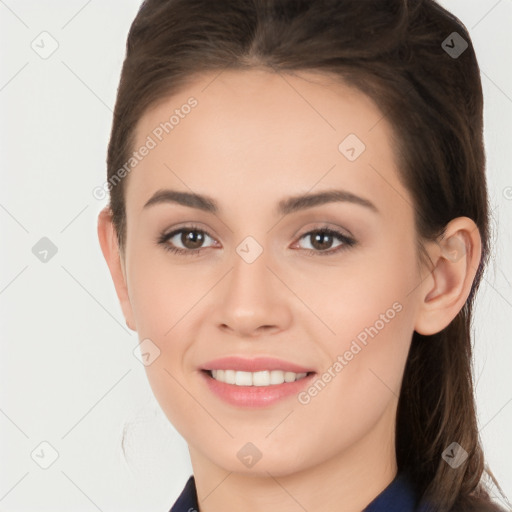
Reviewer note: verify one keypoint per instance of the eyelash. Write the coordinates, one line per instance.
(164, 237)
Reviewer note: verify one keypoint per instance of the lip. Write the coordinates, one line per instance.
(254, 396)
(256, 364)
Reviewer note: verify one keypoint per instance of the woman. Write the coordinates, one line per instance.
(334, 375)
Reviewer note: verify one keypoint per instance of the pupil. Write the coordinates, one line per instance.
(190, 238)
(319, 237)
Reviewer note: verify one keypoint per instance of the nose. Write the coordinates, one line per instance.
(252, 300)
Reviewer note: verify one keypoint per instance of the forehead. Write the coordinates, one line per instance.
(249, 133)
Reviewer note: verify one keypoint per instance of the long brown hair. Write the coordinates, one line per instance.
(395, 51)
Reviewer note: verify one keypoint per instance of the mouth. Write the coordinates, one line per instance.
(263, 378)
(254, 382)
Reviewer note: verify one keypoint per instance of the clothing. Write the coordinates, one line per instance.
(398, 496)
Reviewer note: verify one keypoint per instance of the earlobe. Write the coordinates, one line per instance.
(110, 249)
(456, 256)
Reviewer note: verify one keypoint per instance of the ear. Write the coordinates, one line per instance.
(456, 256)
(110, 248)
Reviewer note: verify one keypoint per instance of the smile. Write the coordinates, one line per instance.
(259, 379)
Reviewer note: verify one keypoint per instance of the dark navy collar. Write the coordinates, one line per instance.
(398, 496)
(187, 499)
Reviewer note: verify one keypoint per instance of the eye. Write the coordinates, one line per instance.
(322, 239)
(192, 239)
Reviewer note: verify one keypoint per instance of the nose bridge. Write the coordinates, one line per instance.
(250, 297)
(250, 276)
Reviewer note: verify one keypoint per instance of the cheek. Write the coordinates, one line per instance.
(362, 292)
(161, 292)
(374, 355)
(371, 312)
(362, 380)
(164, 300)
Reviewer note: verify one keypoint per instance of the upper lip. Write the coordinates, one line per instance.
(254, 365)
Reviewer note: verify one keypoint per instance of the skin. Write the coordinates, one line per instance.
(253, 139)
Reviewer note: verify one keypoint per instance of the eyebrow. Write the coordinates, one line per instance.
(284, 207)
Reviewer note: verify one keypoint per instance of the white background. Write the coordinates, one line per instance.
(68, 374)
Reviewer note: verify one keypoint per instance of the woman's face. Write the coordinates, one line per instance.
(266, 282)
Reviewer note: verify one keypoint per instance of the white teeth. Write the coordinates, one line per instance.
(230, 376)
(262, 378)
(243, 379)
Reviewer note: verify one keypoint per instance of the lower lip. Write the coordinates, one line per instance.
(255, 396)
